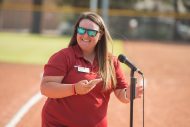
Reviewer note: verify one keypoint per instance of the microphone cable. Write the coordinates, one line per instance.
(143, 99)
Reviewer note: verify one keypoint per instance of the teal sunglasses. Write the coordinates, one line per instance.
(82, 31)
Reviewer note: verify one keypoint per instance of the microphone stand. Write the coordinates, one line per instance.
(132, 94)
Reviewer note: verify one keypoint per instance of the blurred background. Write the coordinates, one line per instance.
(153, 34)
(132, 19)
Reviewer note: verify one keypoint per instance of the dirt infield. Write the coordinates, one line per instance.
(167, 90)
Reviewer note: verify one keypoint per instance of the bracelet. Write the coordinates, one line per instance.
(74, 89)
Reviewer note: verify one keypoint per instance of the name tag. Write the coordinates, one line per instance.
(83, 69)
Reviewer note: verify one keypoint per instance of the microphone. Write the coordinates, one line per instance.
(124, 60)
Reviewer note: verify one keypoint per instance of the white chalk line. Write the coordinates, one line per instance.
(24, 109)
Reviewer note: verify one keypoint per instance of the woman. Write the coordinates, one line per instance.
(78, 80)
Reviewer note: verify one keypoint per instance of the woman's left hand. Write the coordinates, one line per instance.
(138, 92)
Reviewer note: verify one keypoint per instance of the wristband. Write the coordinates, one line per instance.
(74, 89)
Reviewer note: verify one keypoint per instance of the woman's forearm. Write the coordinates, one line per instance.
(57, 90)
(121, 95)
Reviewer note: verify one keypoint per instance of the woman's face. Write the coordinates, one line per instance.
(88, 35)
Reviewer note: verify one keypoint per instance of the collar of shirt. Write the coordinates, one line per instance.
(78, 53)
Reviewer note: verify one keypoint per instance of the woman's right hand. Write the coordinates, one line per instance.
(85, 86)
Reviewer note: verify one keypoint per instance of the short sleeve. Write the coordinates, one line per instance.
(57, 65)
(120, 77)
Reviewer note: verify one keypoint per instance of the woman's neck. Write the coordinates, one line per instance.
(89, 56)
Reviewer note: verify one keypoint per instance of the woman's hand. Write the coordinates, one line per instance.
(85, 86)
(138, 92)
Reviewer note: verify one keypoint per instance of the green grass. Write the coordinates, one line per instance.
(36, 49)
(26, 48)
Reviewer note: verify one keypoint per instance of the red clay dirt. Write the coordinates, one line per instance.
(167, 90)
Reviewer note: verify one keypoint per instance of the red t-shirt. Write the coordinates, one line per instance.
(87, 110)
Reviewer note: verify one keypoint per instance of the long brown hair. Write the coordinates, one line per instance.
(106, 67)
